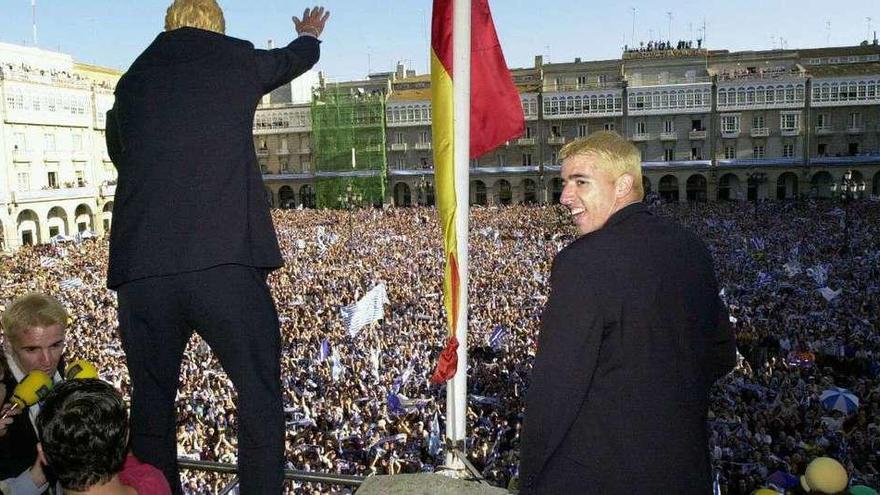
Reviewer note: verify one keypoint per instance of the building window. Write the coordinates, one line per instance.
(582, 130)
(528, 132)
(24, 181)
(52, 179)
(789, 121)
(399, 138)
(730, 123)
(787, 150)
(641, 128)
(609, 126)
(696, 153)
(77, 141)
(554, 157)
(555, 131)
(669, 126)
(80, 178)
(668, 154)
(853, 149)
(425, 137)
(19, 142)
(823, 121)
(822, 149)
(697, 125)
(758, 122)
(729, 152)
(527, 159)
(48, 142)
(855, 120)
(582, 81)
(758, 152)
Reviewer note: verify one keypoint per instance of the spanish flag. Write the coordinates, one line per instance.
(496, 116)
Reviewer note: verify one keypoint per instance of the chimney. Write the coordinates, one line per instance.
(577, 60)
(270, 44)
(401, 70)
(539, 61)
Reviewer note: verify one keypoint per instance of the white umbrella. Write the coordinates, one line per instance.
(841, 399)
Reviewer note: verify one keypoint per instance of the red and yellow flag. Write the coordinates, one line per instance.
(496, 117)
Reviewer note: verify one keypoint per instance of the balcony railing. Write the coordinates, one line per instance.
(263, 152)
(107, 190)
(697, 135)
(640, 136)
(730, 134)
(556, 140)
(23, 155)
(669, 136)
(56, 194)
(398, 146)
(423, 146)
(525, 141)
(790, 132)
(304, 151)
(283, 152)
(760, 132)
(855, 130)
(824, 130)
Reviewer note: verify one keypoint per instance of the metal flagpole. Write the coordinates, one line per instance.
(456, 391)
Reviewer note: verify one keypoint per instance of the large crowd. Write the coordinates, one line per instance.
(771, 259)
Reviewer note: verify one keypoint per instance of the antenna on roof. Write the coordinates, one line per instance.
(34, 19)
(827, 33)
(669, 31)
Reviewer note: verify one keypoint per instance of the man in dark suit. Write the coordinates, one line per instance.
(192, 241)
(35, 328)
(632, 338)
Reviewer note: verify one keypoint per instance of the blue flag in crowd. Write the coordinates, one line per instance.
(394, 404)
(324, 350)
(434, 437)
(496, 339)
(336, 371)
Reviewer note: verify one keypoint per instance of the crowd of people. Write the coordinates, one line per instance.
(800, 280)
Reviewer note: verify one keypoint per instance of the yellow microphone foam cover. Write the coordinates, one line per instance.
(80, 369)
(35, 386)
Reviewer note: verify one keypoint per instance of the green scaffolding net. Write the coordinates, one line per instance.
(348, 133)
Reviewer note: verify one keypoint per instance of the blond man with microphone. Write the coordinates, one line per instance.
(34, 328)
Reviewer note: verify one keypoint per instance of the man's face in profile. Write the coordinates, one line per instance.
(588, 192)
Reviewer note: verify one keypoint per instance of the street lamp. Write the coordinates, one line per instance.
(755, 179)
(350, 200)
(422, 190)
(848, 190)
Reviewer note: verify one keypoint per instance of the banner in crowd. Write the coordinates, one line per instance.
(368, 309)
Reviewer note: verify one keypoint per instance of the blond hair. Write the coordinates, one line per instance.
(32, 310)
(615, 154)
(202, 14)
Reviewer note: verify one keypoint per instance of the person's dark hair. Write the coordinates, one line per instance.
(83, 428)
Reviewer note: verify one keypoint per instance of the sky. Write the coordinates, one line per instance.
(364, 36)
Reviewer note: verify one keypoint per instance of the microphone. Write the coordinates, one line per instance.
(35, 386)
(80, 369)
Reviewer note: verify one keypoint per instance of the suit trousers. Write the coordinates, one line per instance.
(231, 308)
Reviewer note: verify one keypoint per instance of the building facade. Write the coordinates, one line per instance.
(57, 180)
(710, 125)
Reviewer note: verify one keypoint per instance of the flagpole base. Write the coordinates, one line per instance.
(427, 484)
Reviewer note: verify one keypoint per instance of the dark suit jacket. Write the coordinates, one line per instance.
(190, 194)
(18, 448)
(633, 337)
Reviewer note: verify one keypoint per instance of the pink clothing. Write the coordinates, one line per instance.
(144, 478)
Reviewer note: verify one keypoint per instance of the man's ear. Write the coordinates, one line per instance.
(623, 185)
